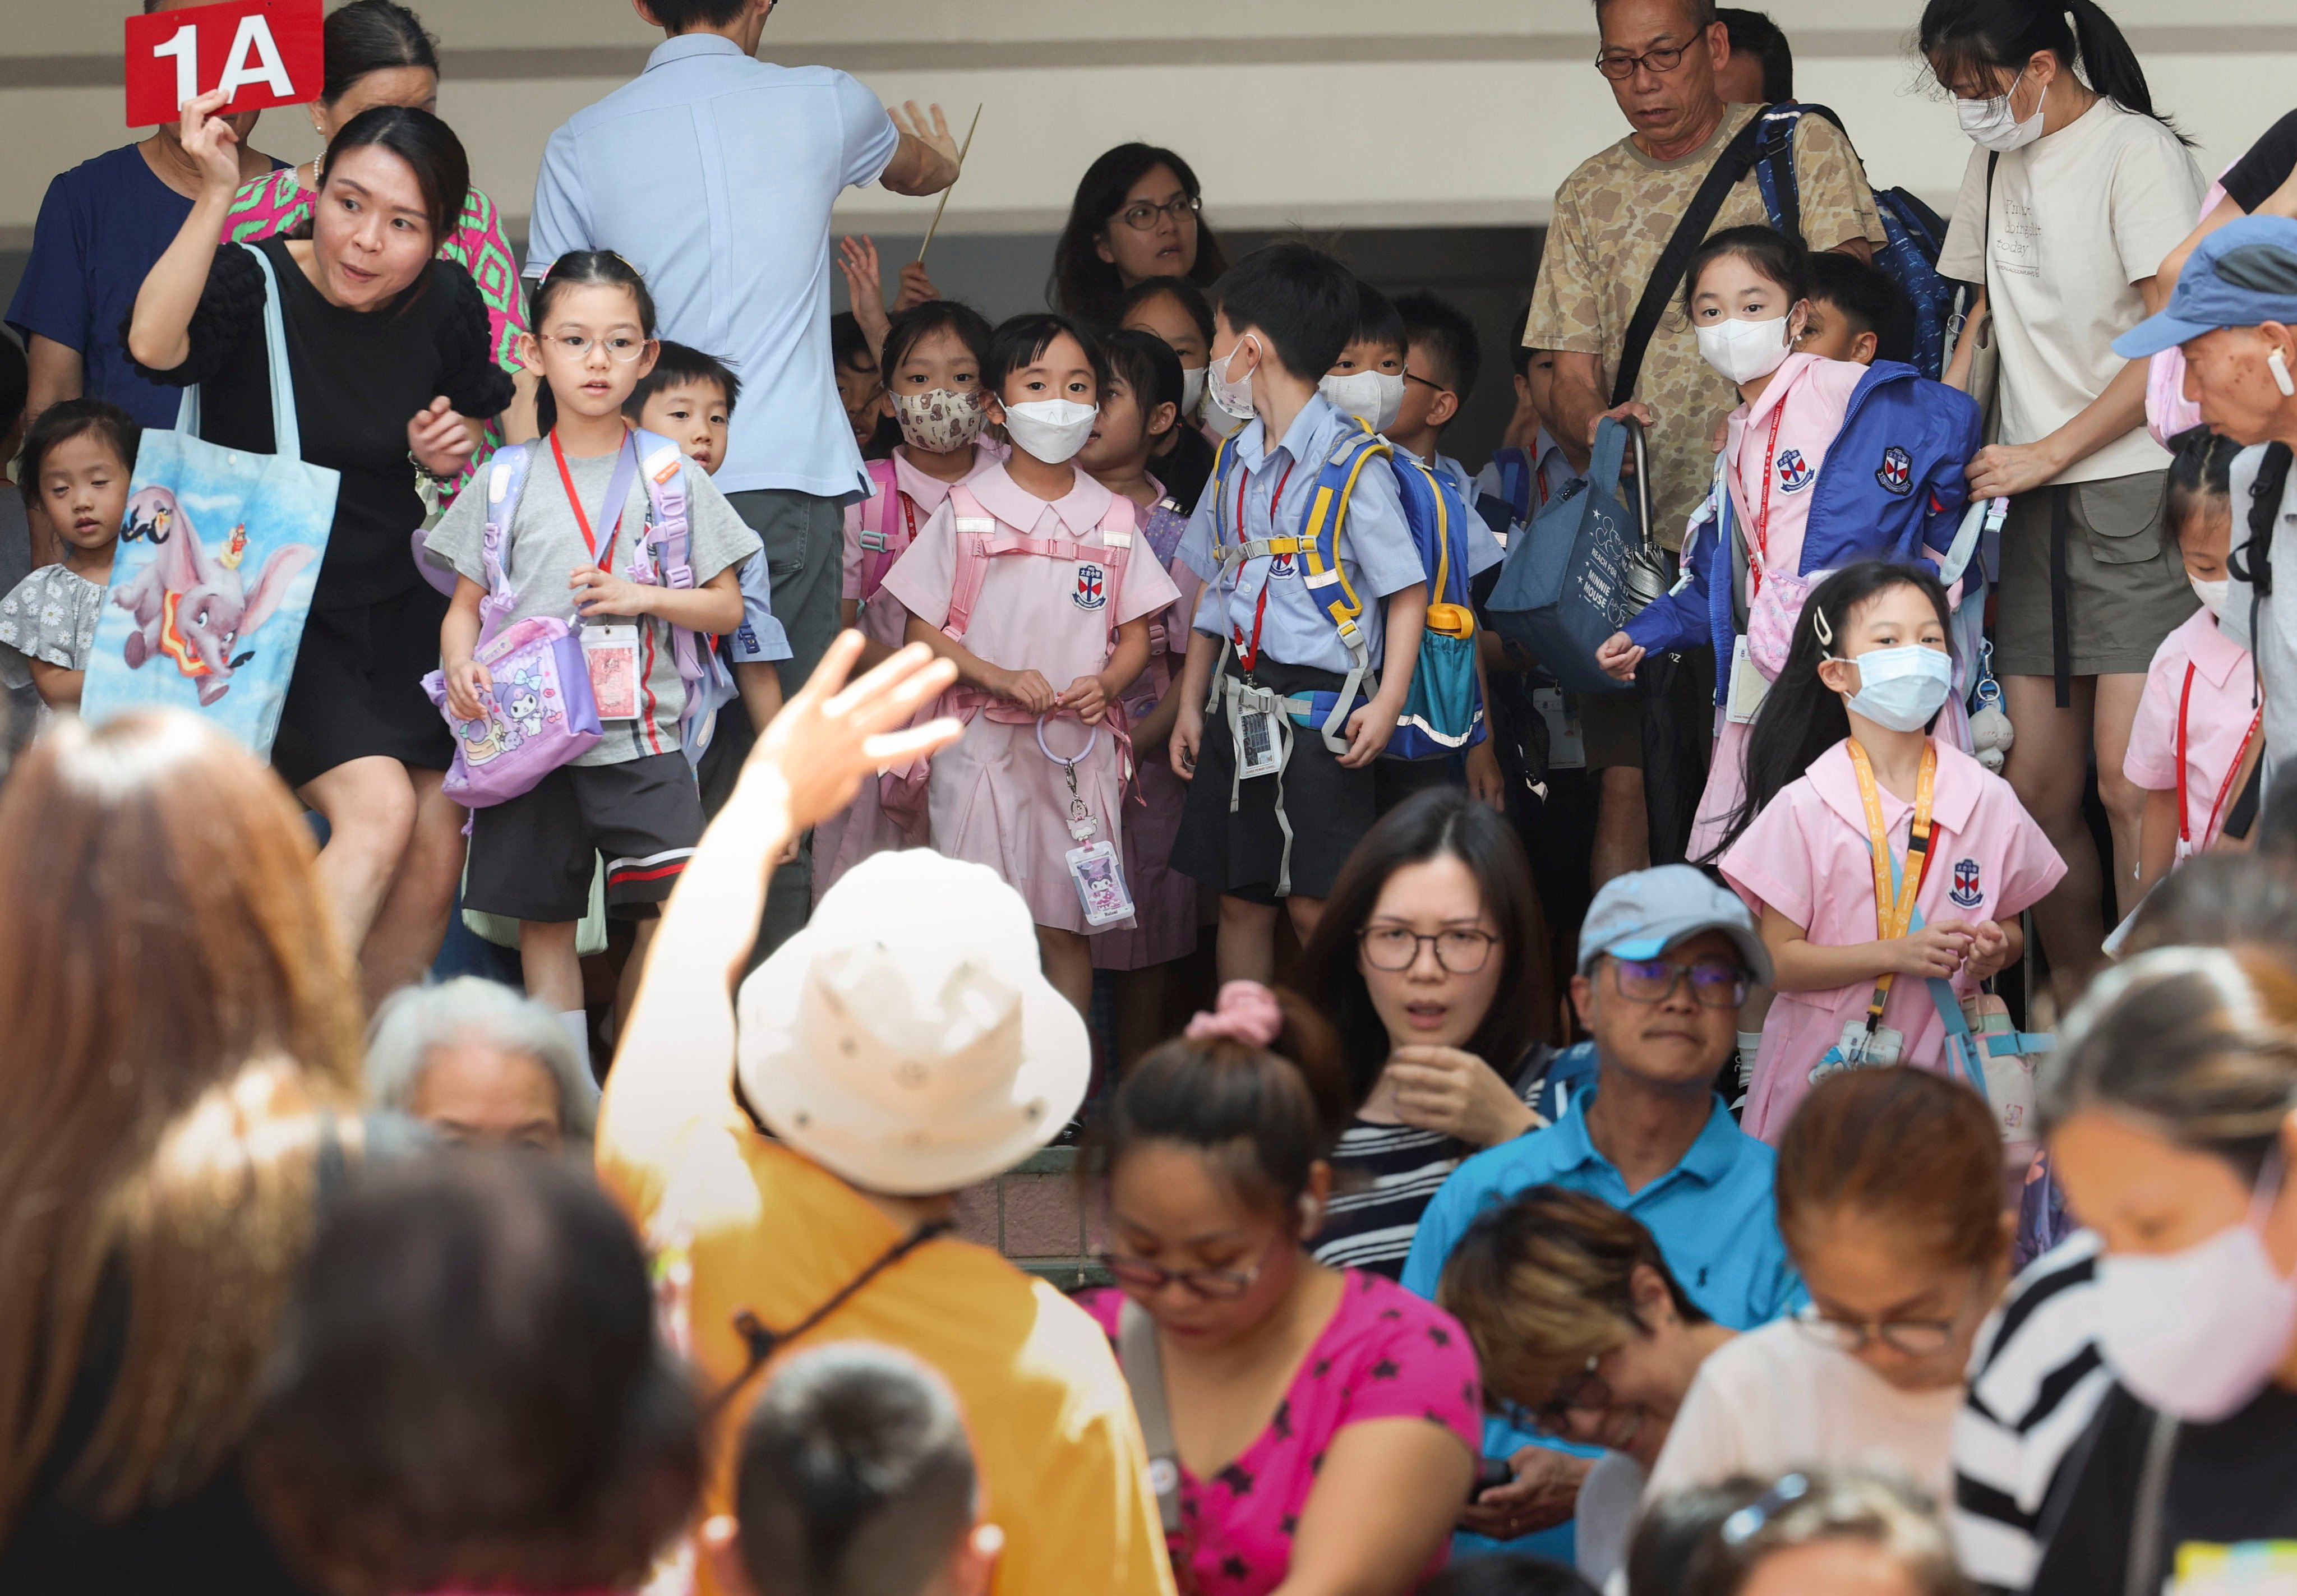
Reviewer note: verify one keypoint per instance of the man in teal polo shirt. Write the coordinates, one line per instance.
(1664, 959)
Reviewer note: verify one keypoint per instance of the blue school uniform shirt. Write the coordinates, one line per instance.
(713, 174)
(1377, 554)
(760, 639)
(102, 226)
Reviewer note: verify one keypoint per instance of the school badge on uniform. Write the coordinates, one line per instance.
(1896, 472)
(1091, 586)
(1281, 566)
(1968, 890)
(1795, 473)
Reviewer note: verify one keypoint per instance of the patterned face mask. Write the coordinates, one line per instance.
(939, 421)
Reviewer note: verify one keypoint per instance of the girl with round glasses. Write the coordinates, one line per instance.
(1890, 1199)
(1431, 959)
(1324, 1423)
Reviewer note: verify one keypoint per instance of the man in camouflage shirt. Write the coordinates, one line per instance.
(1613, 218)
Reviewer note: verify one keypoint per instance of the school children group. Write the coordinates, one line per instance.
(1183, 665)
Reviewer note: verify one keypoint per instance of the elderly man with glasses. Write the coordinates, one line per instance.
(1666, 957)
(1614, 217)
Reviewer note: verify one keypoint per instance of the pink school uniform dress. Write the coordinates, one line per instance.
(878, 530)
(996, 798)
(1164, 900)
(1385, 1353)
(1778, 443)
(2200, 700)
(1806, 855)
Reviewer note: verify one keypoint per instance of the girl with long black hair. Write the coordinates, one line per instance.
(2077, 192)
(1879, 858)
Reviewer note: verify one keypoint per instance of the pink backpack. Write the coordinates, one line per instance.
(982, 538)
(887, 540)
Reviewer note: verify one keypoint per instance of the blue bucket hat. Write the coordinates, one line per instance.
(2242, 274)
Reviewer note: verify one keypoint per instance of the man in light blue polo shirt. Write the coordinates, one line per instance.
(713, 173)
(1665, 957)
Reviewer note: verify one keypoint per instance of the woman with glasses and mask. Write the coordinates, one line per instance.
(1323, 1423)
(1431, 960)
(1890, 1199)
(1137, 215)
(2168, 1109)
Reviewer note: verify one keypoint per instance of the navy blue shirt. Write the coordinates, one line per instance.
(102, 226)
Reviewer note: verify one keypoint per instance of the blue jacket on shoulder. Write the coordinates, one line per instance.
(1892, 488)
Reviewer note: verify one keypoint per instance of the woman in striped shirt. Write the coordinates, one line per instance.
(1431, 959)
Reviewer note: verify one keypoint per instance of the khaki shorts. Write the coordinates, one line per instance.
(2125, 584)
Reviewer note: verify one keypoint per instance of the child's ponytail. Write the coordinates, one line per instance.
(1998, 37)
(574, 269)
(1802, 717)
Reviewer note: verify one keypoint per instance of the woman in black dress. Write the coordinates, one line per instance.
(388, 347)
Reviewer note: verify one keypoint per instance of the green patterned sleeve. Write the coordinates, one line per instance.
(479, 248)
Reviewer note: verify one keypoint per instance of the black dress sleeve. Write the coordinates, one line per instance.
(2250, 181)
(468, 375)
(229, 313)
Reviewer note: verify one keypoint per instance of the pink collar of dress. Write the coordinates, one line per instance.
(1080, 509)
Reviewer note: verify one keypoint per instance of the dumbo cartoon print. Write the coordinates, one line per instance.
(191, 605)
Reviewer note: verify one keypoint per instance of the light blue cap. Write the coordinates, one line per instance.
(1643, 915)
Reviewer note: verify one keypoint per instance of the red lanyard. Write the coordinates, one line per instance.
(908, 517)
(1763, 519)
(582, 517)
(1249, 654)
(2185, 825)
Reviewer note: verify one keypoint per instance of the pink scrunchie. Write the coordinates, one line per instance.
(1246, 1012)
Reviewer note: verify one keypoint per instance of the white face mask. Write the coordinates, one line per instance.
(2196, 1334)
(2212, 595)
(1049, 430)
(1902, 688)
(1192, 390)
(1372, 397)
(1743, 350)
(1234, 398)
(1993, 125)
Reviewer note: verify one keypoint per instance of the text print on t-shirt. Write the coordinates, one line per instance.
(2018, 241)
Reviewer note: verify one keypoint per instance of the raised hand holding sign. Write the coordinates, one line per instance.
(258, 53)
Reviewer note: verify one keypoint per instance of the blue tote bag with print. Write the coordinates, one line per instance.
(213, 574)
(1570, 580)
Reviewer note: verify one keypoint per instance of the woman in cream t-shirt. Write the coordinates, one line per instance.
(2076, 191)
(1890, 1201)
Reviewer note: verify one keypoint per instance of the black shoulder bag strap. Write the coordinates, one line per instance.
(2252, 561)
(1737, 159)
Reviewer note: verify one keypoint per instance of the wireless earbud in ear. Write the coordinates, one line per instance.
(2278, 364)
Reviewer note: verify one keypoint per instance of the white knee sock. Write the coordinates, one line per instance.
(578, 1026)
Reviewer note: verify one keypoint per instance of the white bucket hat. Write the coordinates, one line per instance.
(907, 1039)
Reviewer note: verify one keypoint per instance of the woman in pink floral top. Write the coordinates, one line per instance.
(378, 54)
(1325, 1423)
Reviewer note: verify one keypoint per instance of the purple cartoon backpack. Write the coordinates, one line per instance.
(540, 714)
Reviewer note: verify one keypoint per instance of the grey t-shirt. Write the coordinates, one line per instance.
(546, 547)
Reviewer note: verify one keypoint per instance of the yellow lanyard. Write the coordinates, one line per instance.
(1893, 903)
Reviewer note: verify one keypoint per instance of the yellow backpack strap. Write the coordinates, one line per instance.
(1320, 532)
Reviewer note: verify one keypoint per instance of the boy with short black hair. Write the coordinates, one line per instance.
(1441, 365)
(1852, 307)
(689, 398)
(1367, 380)
(1530, 468)
(1761, 67)
(859, 389)
(1278, 796)
(856, 1479)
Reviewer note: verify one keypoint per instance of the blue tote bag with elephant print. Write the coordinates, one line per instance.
(213, 574)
